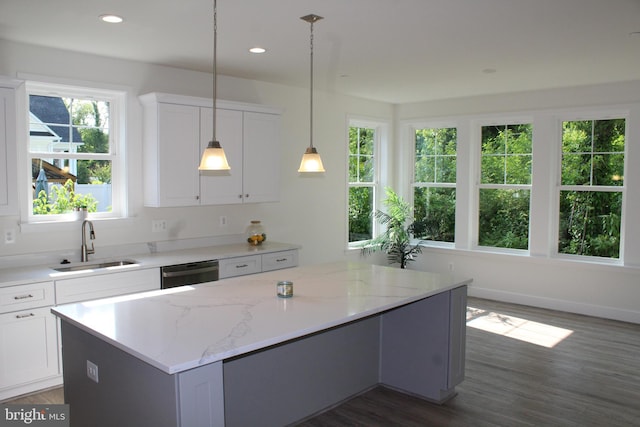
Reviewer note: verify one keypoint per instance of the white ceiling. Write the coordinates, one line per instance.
(390, 50)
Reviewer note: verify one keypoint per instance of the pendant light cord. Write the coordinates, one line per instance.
(215, 64)
(311, 88)
(311, 19)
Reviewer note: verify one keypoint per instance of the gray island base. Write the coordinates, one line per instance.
(283, 362)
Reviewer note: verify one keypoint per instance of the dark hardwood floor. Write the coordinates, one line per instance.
(590, 377)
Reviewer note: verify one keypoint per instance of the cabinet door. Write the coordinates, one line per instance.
(8, 185)
(220, 188)
(261, 157)
(28, 346)
(179, 154)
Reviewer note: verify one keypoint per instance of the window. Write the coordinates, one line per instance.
(505, 186)
(362, 182)
(592, 187)
(72, 152)
(434, 184)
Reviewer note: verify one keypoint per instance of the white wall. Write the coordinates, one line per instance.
(311, 213)
(312, 210)
(600, 290)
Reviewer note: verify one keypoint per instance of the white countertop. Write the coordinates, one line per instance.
(40, 273)
(182, 328)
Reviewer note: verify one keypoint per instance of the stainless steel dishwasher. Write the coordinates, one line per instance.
(190, 273)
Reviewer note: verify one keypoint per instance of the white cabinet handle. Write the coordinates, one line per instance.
(19, 297)
(22, 316)
(242, 265)
(281, 259)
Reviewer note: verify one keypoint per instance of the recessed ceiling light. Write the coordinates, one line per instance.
(111, 19)
(257, 50)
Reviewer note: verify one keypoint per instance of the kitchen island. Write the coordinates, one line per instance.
(232, 353)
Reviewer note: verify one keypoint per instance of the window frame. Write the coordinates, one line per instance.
(590, 115)
(545, 180)
(381, 138)
(477, 125)
(413, 127)
(117, 98)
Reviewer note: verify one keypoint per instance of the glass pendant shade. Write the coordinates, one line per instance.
(311, 161)
(213, 158)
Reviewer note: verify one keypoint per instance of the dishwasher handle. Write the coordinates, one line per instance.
(187, 272)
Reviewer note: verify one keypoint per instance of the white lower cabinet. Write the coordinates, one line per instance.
(240, 266)
(106, 285)
(30, 352)
(250, 264)
(29, 343)
(28, 339)
(279, 260)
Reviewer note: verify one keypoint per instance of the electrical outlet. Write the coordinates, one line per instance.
(158, 225)
(451, 266)
(9, 235)
(92, 371)
(223, 221)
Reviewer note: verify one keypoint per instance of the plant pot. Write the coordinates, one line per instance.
(80, 213)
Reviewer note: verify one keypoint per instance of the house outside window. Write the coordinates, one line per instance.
(592, 187)
(73, 152)
(504, 191)
(363, 180)
(434, 183)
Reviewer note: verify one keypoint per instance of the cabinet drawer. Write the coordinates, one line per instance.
(240, 266)
(21, 297)
(278, 260)
(106, 285)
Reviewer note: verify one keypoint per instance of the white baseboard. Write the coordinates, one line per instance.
(15, 392)
(632, 316)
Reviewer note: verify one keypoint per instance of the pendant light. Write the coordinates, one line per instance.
(213, 158)
(311, 161)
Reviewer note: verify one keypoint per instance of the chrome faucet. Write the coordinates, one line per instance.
(84, 251)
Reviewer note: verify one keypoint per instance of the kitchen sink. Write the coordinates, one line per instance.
(96, 265)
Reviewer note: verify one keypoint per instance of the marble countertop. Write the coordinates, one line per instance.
(182, 328)
(40, 273)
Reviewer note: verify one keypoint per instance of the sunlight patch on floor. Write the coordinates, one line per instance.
(517, 328)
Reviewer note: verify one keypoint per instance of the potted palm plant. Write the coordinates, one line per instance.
(399, 226)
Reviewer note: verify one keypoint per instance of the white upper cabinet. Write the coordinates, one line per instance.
(175, 181)
(261, 157)
(8, 184)
(176, 131)
(223, 187)
(251, 143)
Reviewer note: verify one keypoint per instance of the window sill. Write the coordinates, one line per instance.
(63, 226)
